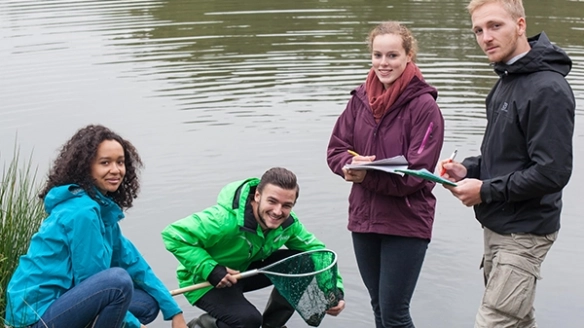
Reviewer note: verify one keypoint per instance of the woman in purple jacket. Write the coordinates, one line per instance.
(393, 113)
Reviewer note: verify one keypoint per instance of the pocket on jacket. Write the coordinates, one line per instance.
(511, 286)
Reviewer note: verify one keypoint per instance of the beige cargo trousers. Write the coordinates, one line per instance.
(511, 266)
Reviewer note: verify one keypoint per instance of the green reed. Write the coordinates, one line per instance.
(21, 213)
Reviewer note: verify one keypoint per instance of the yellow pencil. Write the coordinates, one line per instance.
(352, 153)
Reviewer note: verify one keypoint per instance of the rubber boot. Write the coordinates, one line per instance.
(278, 311)
(203, 321)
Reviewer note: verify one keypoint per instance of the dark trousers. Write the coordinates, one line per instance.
(389, 267)
(232, 310)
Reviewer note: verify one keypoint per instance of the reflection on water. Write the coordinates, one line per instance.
(211, 91)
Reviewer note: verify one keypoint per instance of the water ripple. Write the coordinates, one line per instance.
(212, 62)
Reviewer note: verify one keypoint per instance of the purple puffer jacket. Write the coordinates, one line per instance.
(387, 203)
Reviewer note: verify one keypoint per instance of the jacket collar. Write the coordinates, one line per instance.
(111, 213)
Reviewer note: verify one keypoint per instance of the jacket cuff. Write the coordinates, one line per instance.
(486, 196)
(219, 272)
(340, 294)
(130, 321)
(472, 168)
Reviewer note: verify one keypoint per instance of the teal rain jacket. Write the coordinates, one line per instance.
(78, 239)
(228, 234)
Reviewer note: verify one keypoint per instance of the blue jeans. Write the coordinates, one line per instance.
(390, 267)
(100, 301)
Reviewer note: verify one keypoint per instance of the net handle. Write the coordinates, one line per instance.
(264, 270)
(201, 285)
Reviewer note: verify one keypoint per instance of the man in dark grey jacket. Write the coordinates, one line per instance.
(516, 184)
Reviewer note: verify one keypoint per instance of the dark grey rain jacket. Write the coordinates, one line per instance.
(526, 154)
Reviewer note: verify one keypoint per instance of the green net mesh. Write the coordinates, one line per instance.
(308, 281)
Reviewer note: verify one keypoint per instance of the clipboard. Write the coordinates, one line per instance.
(427, 175)
(389, 165)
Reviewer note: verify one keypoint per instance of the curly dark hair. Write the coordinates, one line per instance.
(73, 165)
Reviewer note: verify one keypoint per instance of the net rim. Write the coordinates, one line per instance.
(266, 270)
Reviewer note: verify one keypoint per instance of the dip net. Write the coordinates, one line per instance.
(308, 281)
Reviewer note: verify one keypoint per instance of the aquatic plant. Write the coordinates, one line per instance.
(21, 213)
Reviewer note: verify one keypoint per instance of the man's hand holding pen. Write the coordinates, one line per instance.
(441, 166)
(451, 170)
(467, 190)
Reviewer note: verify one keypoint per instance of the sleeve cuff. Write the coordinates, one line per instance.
(218, 273)
(131, 321)
(486, 196)
(340, 295)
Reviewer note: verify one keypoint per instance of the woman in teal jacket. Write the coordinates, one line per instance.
(80, 270)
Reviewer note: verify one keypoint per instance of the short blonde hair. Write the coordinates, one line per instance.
(391, 27)
(513, 7)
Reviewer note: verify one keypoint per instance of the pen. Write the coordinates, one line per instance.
(450, 159)
(352, 153)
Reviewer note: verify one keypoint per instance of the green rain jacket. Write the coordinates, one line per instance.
(227, 234)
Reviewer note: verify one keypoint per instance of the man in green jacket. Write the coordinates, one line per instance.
(247, 227)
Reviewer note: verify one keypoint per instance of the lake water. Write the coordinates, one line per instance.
(214, 91)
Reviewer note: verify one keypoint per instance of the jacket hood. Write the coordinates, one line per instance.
(543, 56)
(233, 196)
(111, 213)
(58, 195)
(415, 89)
